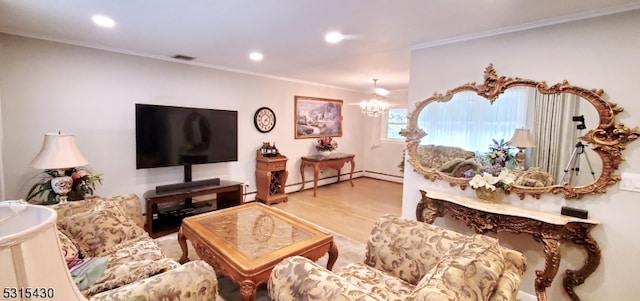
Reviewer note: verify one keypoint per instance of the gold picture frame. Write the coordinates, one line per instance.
(317, 117)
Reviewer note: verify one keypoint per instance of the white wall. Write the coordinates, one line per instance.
(596, 53)
(383, 156)
(48, 86)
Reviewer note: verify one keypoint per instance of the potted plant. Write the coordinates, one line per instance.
(325, 145)
(491, 187)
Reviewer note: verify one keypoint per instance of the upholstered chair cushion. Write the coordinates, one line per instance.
(408, 249)
(469, 272)
(298, 278)
(129, 272)
(68, 248)
(129, 204)
(101, 230)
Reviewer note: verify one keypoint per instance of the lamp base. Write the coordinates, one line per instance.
(520, 156)
(61, 186)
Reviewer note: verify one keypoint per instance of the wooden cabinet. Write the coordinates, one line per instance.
(271, 177)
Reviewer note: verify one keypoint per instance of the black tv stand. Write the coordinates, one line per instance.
(188, 182)
(187, 185)
(165, 220)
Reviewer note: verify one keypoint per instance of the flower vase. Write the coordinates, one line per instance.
(325, 153)
(488, 195)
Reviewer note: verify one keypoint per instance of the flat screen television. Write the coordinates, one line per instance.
(172, 136)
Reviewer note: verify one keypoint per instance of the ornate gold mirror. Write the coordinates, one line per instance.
(554, 139)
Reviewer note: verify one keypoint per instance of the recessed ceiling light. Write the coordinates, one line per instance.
(103, 21)
(333, 37)
(255, 56)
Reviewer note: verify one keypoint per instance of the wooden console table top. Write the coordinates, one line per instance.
(334, 161)
(547, 228)
(508, 209)
(245, 242)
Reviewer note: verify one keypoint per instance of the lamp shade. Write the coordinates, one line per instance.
(521, 139)
(59, 151)
(30, 254)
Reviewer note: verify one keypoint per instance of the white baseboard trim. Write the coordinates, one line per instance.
(384, 177)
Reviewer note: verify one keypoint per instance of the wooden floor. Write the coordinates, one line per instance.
(350, 211)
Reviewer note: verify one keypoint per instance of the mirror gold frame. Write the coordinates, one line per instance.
(608, 139)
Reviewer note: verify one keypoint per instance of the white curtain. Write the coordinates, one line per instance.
(471, 122)
(552, 130)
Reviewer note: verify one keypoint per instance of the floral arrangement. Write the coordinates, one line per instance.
(501, 153)
(490, 181)
(84, 183)
(326, 144)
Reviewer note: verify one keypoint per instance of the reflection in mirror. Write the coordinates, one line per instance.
(470, 122)
(574, 146)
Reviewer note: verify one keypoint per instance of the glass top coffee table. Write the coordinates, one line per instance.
(245, 242)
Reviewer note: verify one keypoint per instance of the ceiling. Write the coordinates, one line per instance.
(290, 33)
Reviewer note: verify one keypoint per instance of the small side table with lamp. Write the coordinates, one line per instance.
(522, 140)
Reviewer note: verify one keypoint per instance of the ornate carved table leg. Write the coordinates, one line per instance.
(182, 241)
(427, 210)
(302, 165)
(552, 262)
(574, 278)
(333, 256)
(316, 170)
(247, 290)
(353, 166)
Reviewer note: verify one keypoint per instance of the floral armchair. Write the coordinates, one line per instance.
(136, 268)
(408, 260)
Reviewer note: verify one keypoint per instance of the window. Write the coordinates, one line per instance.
(471, 122)
(396, 120)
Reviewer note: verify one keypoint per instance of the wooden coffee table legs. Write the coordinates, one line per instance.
(247, 290)
(182, 241)
(333, 256)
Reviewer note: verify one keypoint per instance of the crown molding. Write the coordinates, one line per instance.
(531, 25)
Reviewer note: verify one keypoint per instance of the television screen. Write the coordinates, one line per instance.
(171, 136)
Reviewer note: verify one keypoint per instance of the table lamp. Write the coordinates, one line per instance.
(30, 255)
(59, 152)
(521, 139)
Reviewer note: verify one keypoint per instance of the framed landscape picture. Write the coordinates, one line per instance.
(317, 117)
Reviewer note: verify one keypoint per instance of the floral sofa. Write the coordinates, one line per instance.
(136, 268)
(408, 260)
(448, 159)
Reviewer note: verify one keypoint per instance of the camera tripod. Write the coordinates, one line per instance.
(574, 164)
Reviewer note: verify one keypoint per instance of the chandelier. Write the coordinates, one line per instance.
(373, 107)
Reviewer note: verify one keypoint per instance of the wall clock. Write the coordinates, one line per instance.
(264, 119)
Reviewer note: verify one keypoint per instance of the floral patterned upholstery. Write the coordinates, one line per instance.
(448, 159)
(408, 260)
(535, 177)
(136, 267)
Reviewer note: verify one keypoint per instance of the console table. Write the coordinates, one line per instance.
(334, 161)
(228, 194)
(547, 228)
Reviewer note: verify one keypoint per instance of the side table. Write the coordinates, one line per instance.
(334, 161)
